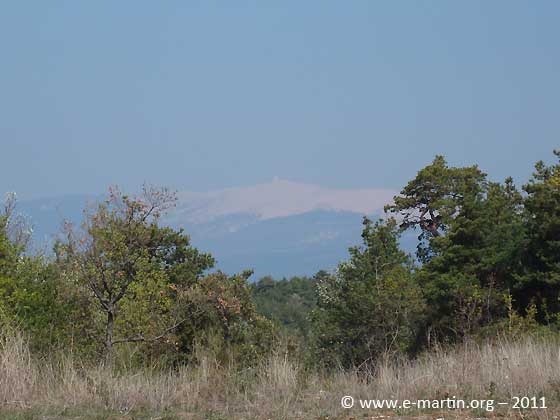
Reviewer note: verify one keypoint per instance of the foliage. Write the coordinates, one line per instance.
(473, 263)
(489, 266)
(432, 199)
(136, 270)
(223, 318)
(371, 306)
(539, 274)
(288, 302)
(33, 294)
(42, 303)
(518, 326)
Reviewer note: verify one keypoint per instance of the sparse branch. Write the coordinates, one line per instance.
(17, 226)
(140, 338)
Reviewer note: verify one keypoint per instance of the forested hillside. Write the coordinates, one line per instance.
(288, 302)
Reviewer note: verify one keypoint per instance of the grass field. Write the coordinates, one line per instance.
(278, 388)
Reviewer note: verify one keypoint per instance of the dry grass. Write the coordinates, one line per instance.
(278, 388)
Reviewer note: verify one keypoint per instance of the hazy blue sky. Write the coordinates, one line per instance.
(201, 95)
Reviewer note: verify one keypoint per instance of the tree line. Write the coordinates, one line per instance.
(122, 286)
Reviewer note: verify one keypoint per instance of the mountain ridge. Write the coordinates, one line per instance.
(281, 228)
(279, 198)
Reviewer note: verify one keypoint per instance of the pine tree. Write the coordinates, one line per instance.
(371, 307)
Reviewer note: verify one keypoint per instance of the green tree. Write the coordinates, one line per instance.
(9, 254)
(372, 305)
(223, 319)
(136, 271)
(431, 200)
(539, 275)
(33, 294)
(473, 263)
(470, 242)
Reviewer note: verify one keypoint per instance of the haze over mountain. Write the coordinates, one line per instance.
(281, 228)
(278, 198)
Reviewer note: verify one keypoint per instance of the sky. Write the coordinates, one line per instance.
(202, 95)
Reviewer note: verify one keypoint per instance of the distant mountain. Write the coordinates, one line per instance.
(280, 228)
(278, 199)
(282, 246)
